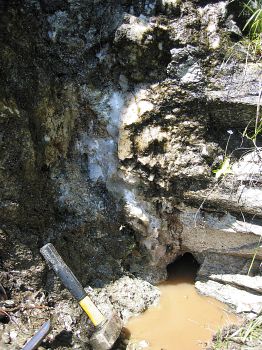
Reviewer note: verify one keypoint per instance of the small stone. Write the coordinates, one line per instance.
(137, 345)
(6, 339)
(13, 335)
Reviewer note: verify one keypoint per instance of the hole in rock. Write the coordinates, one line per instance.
(184, 268)
(182, 319)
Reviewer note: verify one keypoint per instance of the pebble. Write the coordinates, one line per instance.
(9, 303)
(6, 339)
(13, 335)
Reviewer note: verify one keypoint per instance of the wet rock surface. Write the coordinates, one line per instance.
(113, 117)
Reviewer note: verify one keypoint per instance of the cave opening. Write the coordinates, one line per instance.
(184, 267)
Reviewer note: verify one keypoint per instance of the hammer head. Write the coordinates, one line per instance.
(105, 337)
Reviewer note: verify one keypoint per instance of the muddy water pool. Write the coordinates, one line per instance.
(183, 319)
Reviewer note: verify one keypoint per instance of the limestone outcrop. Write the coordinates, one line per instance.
(113, 118)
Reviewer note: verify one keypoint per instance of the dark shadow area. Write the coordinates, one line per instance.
(64, 338)
(237, 10)
(4, 318)
(183, 269)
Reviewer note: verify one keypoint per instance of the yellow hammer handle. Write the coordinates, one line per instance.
(92, 311)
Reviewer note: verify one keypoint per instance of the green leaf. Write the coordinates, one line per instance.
(224, 169)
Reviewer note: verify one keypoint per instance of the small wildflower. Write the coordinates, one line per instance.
(230, 132)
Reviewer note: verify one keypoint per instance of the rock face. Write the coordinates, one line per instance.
(226, 279)
(113, 117)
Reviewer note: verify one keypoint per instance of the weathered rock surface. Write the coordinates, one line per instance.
(232, 94)
(226, 279)
(220, 233)
(243, 301)
(240, 281)
(128, 296)
(113, 116)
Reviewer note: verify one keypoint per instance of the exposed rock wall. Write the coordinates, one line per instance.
(113, 116)
(49, 54)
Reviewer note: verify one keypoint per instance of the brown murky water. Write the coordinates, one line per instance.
(183, 320)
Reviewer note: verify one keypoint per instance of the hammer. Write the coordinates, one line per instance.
(107, 329)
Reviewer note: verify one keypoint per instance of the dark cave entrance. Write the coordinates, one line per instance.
(184, 267)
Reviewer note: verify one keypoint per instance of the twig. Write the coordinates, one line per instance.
(5, 313)
(24, 308)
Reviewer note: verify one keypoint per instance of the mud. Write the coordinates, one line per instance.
(183, 319)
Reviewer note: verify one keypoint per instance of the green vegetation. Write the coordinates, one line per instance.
(254, 22)
(253, 9)
(220, 341)
(225, 166)
(250, 333)
(258, 123)
(256, 132)
(223, 169)
(254, 256)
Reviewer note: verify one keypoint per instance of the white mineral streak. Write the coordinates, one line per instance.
(116, 104)
(102, 163)
(143, 218)
(117, 110)
(141, 214)
(138, 104)
(102, 157)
